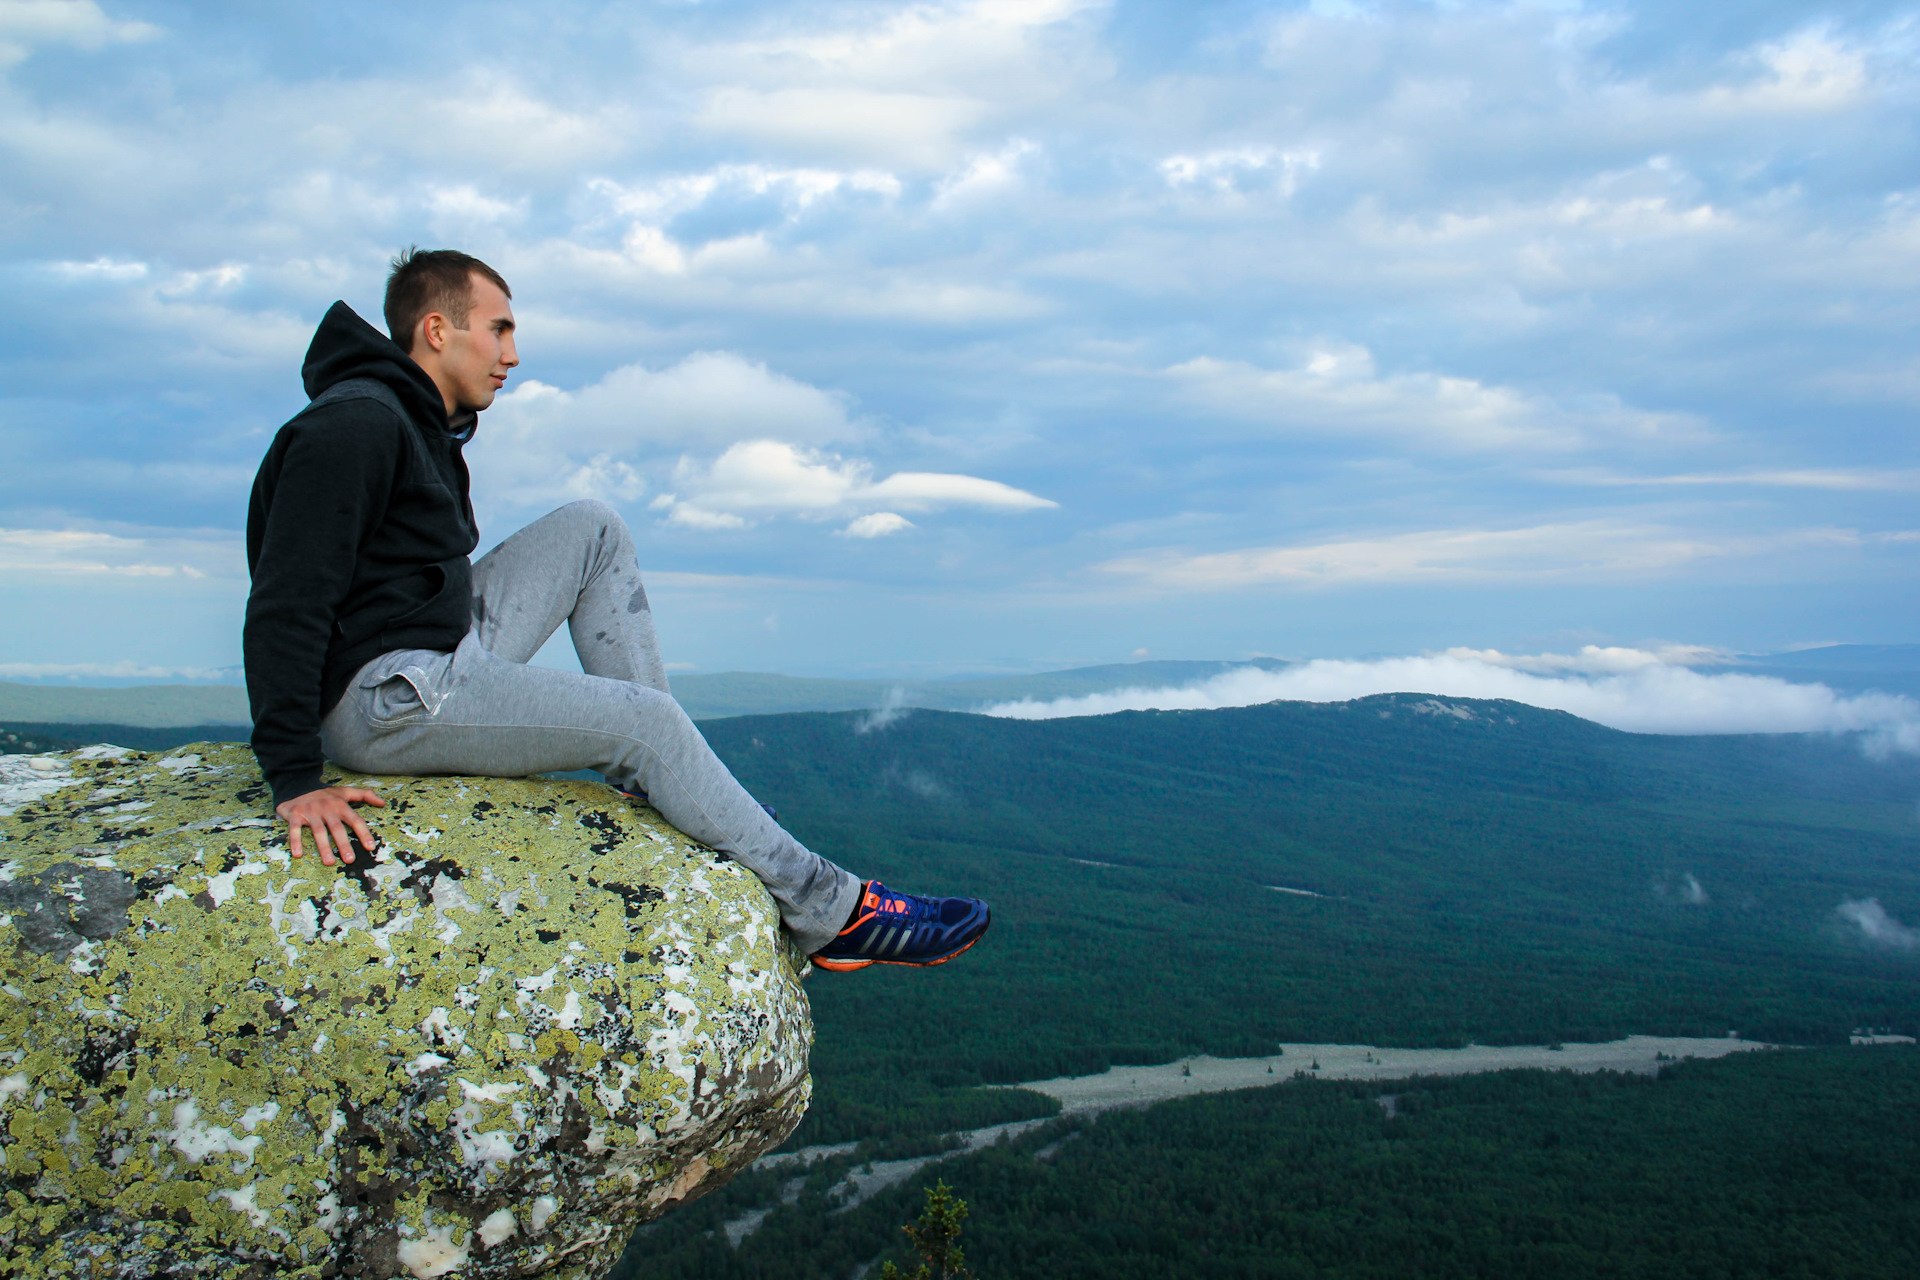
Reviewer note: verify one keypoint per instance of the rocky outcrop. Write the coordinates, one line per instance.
(537, 1017)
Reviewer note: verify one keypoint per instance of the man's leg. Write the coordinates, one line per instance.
(576, 565)
(472, 712)
(481, 710)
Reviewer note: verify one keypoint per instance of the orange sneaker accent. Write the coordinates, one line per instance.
(841, 966)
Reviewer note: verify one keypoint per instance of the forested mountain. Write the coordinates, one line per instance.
(1473, 871)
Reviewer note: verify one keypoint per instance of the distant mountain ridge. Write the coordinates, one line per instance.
(1848, 668)
(1845, 668)
(151, 706)
(1845, 657)
(705, 697)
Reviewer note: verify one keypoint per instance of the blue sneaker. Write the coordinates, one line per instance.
(904, 928)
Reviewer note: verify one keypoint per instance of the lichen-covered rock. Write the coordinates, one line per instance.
(537, 1017)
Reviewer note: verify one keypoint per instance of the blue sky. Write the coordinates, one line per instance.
(918, 339)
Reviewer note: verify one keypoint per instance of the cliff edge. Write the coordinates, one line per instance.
(537, 1017)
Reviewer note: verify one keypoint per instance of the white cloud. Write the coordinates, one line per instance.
(476, 118)
(465, 204)
(27, 24)
(1596, 660)
(708, 398)
(1808, 71)
(1876, 926)
(191, 316)
(696, 518)
(1338, 391)
(1651, 695)
(1233, 169)
(906, 89)
(927, 490)
(769, 477)
(69, 553)
(1833, 479)
(910, 129)
(797, 187)
(541, 444)
(984, 175)
(1573, 551)
(877, 524)
(101, 269)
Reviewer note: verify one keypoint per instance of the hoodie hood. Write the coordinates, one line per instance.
(345, 346)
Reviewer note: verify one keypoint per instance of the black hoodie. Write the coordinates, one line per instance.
(358, 535)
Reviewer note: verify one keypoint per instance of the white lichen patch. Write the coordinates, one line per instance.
(25, 779)
(497, 1226)
(577, 1018)
(433, 1254)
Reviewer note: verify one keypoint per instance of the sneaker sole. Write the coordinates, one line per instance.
(848, 966)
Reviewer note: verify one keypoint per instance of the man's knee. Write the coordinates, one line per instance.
(594, 521)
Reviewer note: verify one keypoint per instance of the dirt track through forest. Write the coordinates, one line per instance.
(1142, 1086)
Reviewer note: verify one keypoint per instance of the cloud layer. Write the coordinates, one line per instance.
(1640, 691)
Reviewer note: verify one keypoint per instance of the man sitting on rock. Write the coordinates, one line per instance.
(372, 640)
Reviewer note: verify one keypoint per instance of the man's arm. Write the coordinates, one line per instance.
(308, 521)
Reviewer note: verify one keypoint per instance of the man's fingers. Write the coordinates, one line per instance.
(360, 830)
(293, 833)
(320, 842)
(339, 832)
(360, 795)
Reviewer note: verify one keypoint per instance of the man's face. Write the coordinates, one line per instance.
(475, 359)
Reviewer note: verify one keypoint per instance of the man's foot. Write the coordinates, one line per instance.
(904, 928)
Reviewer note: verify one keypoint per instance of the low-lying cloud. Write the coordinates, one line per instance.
(1637, 690)
(1876, 926)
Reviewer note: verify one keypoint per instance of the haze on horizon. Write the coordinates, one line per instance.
(1004, 335)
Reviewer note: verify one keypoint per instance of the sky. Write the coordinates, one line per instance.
(926, 339)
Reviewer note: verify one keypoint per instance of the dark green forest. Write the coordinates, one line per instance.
(1780, 1164)
(1506, 875)
(25, 736)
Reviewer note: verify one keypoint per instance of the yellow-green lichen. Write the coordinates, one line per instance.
(536, 1017)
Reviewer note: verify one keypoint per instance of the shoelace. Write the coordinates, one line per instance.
(918, 911)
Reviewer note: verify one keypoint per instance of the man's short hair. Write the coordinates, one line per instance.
(429, 280)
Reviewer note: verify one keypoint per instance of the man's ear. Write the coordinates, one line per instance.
(431, 332)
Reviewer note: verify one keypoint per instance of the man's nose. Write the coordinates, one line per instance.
(509, 353)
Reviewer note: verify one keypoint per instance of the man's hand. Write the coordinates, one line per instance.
(329, 811)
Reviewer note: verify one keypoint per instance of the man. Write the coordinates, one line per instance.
(372, 640)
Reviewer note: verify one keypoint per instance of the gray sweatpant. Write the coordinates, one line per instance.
(482, 710)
